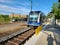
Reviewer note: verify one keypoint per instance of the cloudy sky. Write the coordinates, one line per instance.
(23, 6)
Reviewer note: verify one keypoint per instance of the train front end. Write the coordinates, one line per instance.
(34, 19)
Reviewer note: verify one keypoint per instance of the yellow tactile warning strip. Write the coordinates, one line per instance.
(38, 29)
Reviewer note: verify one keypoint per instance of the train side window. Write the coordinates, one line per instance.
(40, 17)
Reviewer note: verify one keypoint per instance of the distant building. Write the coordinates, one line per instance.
(13, 15)
(17, 15)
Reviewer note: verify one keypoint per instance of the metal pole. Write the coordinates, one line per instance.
(31, 5)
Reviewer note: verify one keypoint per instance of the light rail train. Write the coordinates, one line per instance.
(35, 18)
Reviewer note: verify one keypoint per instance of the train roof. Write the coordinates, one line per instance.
(35, 11)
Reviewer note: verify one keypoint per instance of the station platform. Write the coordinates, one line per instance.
(45, 37)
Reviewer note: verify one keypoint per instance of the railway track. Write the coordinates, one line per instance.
(18, 38)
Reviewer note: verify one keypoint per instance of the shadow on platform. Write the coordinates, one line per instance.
(50, 40)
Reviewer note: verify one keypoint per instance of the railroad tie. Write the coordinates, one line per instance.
(11, 43)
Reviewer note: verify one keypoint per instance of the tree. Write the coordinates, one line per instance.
(58, 0)
(56, 11)
(55, 8)
(4, 18)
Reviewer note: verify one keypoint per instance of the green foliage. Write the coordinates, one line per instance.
(56, 10)
(49, 16)
(4, 18)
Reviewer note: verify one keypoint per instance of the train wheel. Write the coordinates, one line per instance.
(35, 27)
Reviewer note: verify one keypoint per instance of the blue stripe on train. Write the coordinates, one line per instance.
(34, 23)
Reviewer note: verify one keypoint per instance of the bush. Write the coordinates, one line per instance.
(4, 18)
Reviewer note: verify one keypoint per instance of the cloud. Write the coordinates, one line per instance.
(13, 9)
(16, 2)
(6, 1)
(24, 3)
(8, 6)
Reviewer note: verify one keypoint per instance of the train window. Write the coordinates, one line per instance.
(41, 17)
(33, 17)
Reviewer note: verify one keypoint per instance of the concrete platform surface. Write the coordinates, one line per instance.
(45, 37)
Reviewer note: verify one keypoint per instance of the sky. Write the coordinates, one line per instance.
(23, 6)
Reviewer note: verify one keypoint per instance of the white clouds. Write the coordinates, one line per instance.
(2, 0)
(15, 2)
(25, 3)
(5, 1)
(13, 9)
(16, 9)
(6, 8)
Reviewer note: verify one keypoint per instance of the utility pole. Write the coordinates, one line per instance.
(31, 4)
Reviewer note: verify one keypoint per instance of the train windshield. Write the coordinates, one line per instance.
(33, 17)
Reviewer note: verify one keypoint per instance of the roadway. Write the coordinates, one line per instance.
(11, 28)
(12, 24)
